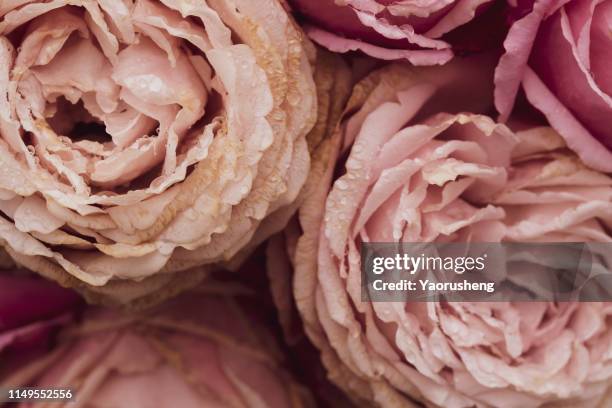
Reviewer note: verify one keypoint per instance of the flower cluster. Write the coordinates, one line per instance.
(187, 188)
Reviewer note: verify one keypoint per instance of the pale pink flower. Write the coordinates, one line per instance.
(417, 165)
(141, 137)
(205, 348)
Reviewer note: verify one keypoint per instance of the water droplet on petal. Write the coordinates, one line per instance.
(341, 184)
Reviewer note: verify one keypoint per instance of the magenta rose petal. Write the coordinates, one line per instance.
(387, 30)
(518, 45)
(562, 43)
(463, 12)
(588, 102)
(577, 137)
(341, 44)
(598, 46)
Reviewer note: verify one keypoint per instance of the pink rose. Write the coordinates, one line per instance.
(31, 311)
(420, 167)
(142, 138)
(560, 53)
(387, 29)
(205, 348)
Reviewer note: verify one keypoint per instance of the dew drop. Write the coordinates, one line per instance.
(353, 164)
(341, 184)
(293, 99)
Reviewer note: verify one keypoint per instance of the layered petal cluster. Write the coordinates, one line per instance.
(418, 166)
(204, 348)
(388, 29)
(142, 138)
(27, 326)
(559, 53)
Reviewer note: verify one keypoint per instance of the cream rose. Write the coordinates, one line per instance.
(142, 138)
